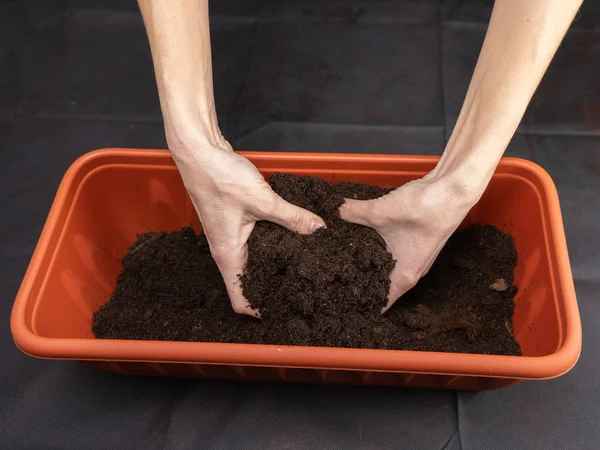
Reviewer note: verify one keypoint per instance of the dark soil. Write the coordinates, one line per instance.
(326, 289)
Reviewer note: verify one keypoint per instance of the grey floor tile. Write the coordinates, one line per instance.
(232, 47)
(568, 98)
(36, 154)
(97, 64)
(518, 147)
(466, 10)
(10, 87)
(217, 7)
(343, 73)
(574, 164)
(352, 11)
(481, 10)
(90, 63)
(566, 101)
(558, 414)
(11, 37)
(13, 263)
(130, 5)
(461, 44)
(589, 15)
(237, 8)
(308, 137)
(110, 410)
(338, 417)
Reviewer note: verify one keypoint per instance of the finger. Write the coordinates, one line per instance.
(357, 211)
(402, 280)
(293, 217)
(232, 265)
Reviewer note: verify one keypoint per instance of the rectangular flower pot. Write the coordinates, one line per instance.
(109, 196)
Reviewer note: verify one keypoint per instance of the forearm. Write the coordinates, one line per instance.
(179, 36)
(522, 37)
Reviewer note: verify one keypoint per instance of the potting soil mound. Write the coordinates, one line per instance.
(326, 289)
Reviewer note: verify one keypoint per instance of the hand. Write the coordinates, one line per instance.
(415, 221)
(230, 195)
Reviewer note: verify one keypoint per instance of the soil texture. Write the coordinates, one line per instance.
(326, 289)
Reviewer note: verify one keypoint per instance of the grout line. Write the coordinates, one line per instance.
(224, 21)
(483, 26)
(90, 118)
(460, 443)
(440, 127)
(151, 121)
(548, 132)
(450, 439)
(469, 25)
(371, 21)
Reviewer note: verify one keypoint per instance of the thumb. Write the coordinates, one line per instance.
(357, 211)
(293, 217)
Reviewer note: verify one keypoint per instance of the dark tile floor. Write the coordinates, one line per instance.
(342, 76)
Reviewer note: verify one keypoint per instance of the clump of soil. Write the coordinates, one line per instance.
(325, 289)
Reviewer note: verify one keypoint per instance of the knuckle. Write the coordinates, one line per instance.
(225, 246)
(346, 209)
(217, 254)
(406, 279)
(221, 254)
(410, 278)
(244, 308)
(295, 221)
(240, 308)
(389, 304)
(379, 215)
(270, 205)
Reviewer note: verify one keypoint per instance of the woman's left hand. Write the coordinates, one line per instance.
(415, 221)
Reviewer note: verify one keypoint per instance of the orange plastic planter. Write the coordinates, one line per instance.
(109, 196)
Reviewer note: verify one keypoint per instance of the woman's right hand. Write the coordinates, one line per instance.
(230, 195)
(228, 192)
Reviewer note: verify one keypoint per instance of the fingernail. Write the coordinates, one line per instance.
(314, 226)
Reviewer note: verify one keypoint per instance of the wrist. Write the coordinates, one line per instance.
(463, 184)
(192, 132)
(470, 159)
